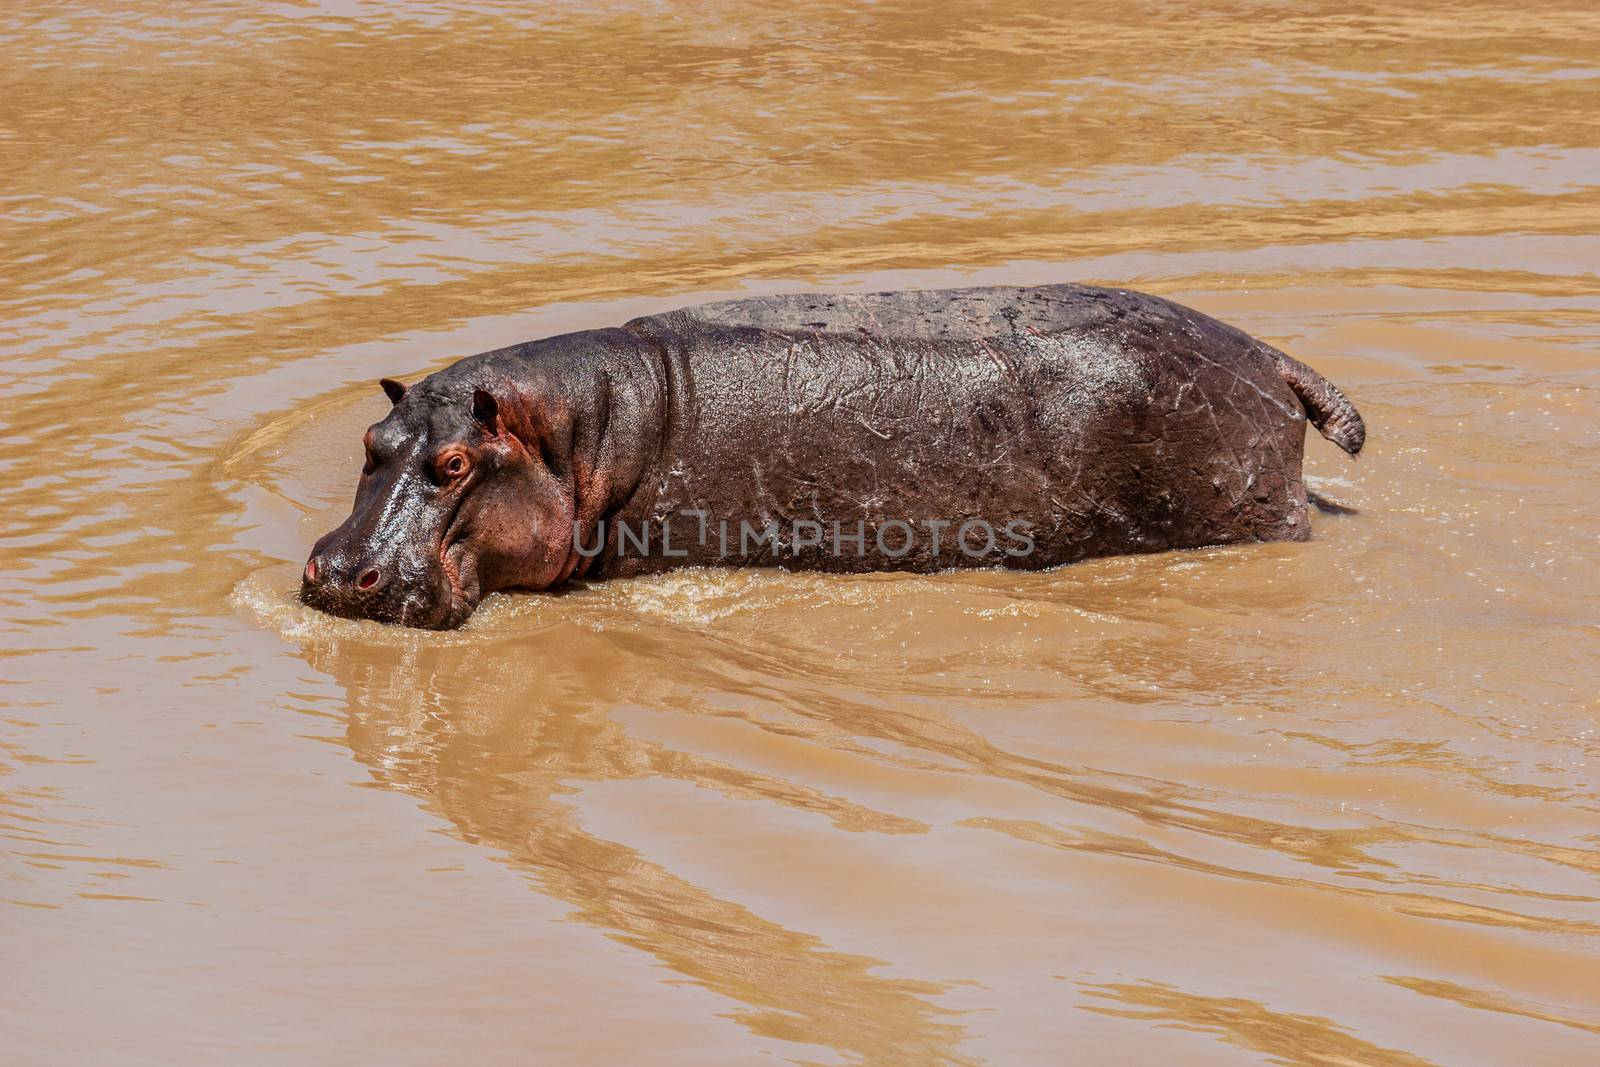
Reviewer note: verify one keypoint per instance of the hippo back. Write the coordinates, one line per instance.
(932, 314)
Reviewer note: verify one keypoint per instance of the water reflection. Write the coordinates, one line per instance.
(1288, 1038)
(524, 731)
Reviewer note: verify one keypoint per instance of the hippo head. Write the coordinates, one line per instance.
(452, 504)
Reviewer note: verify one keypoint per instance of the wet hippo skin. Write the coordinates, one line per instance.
(1018, 427)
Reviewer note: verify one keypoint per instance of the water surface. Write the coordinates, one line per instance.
(1309, 804)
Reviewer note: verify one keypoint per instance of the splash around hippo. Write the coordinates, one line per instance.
(917, 431)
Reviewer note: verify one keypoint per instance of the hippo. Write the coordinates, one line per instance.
(1019, 427)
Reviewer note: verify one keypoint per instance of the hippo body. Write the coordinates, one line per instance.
(922, 430)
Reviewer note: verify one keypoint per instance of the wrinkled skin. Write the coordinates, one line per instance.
(1100, 421)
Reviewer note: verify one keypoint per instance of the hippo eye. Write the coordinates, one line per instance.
(455, 466)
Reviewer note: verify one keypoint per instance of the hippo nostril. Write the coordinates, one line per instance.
(311, 570)
(369, 578)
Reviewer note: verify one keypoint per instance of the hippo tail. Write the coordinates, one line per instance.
(1329, 410)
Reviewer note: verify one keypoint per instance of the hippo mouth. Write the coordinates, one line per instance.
(412, 610)
(461, 575)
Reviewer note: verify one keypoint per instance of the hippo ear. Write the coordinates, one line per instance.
(395, 389)
(487, 411)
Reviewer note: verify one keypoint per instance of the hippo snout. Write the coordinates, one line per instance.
(324, 572)
(355, 587)
(343, 585)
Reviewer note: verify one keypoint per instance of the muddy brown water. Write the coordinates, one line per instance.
(1324, 803)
